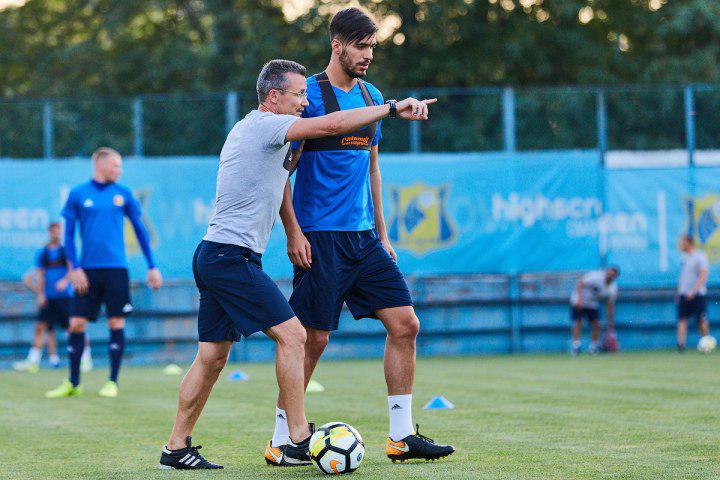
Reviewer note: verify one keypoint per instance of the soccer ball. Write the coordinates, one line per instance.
(336, 447)
(707, 344)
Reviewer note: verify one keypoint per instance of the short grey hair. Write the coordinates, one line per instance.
(273, 76)
(104, 152)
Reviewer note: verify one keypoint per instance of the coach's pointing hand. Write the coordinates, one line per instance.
(414, 109)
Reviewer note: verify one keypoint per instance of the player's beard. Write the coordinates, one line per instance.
(347, 66)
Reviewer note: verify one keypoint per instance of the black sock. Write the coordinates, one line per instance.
(76, 345)
(116, 349)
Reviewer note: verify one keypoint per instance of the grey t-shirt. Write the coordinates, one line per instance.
(251, 180)
(594, 289)
(692, 264)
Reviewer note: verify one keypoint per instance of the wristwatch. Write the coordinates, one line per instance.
(393, 107)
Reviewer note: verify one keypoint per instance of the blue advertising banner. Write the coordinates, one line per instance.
(446, 213)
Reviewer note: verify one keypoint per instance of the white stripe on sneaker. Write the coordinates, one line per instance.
(189, 460)
(195, 462)
(182, 460)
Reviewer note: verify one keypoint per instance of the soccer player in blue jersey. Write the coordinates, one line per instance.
(338, 241)
(53, 292)
(100, 275)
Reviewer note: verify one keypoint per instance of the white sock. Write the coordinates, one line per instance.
(576, 343)
(400, 408)
(593, 345)
(87, 354)
(54, 359)
(281, 435)
(34, 355)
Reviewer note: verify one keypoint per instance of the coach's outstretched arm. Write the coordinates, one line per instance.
(346, 121)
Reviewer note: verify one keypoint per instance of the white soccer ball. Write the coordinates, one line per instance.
(336, 448)
(707, 344)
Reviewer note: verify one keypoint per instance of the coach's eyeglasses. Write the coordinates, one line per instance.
(297, 94)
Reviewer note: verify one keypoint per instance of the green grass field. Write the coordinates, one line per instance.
(631, 415)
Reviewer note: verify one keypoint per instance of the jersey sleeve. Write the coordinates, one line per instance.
(612, 292)
(703, 261)
(70, 210)
(40, 258)
(134, 213)
(274, 128)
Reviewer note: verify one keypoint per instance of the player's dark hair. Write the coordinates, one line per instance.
(273, 76)
(616, 268)
(352, 24)
(689, 239)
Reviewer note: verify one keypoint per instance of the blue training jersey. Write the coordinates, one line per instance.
(100, 209)
(53, 262)
(332, 188)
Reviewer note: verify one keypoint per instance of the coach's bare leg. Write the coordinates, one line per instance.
(196, 387)
(682, 332)
(402, 327)
(290, 339)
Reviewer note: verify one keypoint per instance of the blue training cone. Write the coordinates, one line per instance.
(439, 403)
(238, 376)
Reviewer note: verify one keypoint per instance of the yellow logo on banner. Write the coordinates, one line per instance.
(420, 222)
(704, 224)
(132, 247)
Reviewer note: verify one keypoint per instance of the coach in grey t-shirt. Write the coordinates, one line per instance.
(251, 180)
(692, 290)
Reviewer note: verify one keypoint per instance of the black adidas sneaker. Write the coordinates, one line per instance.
(416, 446)
(297, 454)
(187, 458)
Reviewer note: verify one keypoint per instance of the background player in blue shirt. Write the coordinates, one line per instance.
(53, 292)
(338, 241)
(100, 275)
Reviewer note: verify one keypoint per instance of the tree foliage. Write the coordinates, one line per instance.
(52, 48)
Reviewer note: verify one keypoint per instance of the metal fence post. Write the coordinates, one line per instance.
(48, 130)
(601, 114)
(231, 110)
(508, 113)
(602, 142)
(515, 320)
(139, 141)
(415, 131)
(690, 123)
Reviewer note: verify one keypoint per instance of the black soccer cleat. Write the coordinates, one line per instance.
(187, 458)
(416, 446)
(297, 454)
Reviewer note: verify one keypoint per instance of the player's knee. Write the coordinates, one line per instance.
(116, 323)
(77, 325)
(293, 336)
(317, 341)
(407, 327)
(213, 363)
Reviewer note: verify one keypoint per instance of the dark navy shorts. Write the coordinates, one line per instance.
(109, 286)
(236, 297)
(350, 267)
(695, 308)
(577, 314)
(56, 312)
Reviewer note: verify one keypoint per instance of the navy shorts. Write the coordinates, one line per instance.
(109, 286)
(695, 308)
(577, 314)
(56, 312)
(236, 297)
(350, 267)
